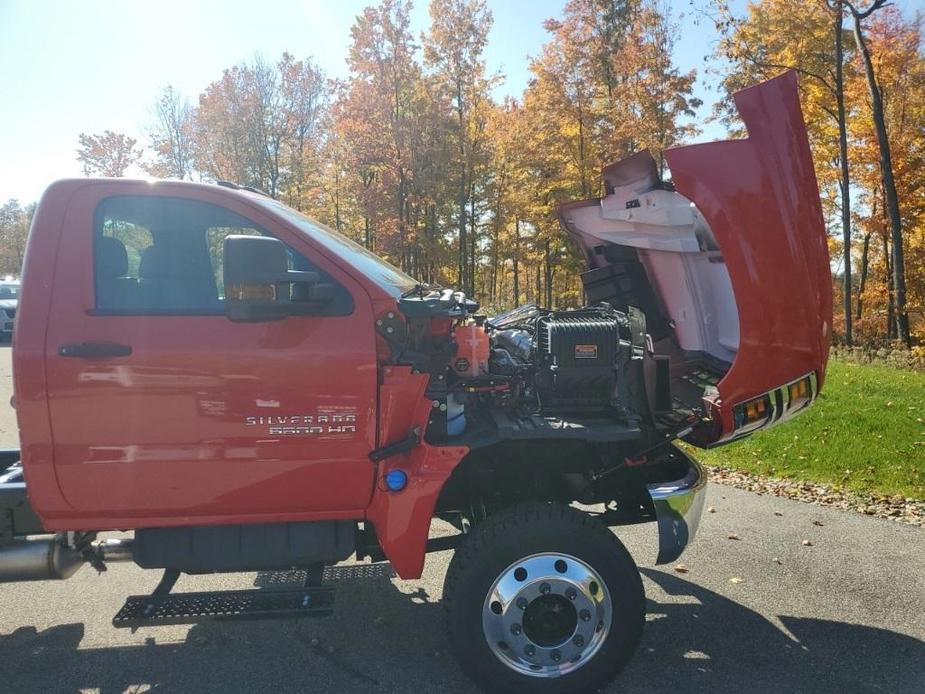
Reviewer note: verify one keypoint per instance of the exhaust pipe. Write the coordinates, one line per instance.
(44, 559)
(115, 550)
(38, 560)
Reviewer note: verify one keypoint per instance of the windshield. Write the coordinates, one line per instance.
(383, 273)
(9, 291)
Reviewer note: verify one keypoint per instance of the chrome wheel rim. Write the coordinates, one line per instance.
(547, 615)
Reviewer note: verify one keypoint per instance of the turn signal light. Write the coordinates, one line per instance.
(799, 392)
(755, 410)
(251, 292)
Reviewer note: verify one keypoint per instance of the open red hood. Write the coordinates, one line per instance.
(755, 232)
(759, 196)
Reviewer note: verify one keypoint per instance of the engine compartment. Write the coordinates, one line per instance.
(641, 361)
(587, 374)
(561, 362)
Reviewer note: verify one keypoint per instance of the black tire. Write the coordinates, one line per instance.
(514, 534)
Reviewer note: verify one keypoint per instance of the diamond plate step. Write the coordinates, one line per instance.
(302, 578)
(191, 608)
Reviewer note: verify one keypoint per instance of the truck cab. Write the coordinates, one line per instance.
(246, 389)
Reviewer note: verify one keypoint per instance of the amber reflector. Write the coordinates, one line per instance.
(252, 292)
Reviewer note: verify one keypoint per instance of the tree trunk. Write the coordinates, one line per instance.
(845, 177)
(889, 187)
(548, 275)
(517, 264)
(581, 151)
(865, 264)
(400, 209)
(472, 238)
(463, 189)
(890, 306)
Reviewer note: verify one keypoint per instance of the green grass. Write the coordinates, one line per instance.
(865, 432)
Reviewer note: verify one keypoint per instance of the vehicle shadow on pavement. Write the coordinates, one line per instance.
(699, 641)
(388, 636)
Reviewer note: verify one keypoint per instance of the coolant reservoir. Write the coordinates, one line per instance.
(455, 415)
(473, 350)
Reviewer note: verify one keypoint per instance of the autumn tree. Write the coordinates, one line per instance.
(14, 229)
(890, 195)
(306, 95)
(896, 49)
(837, 8)
(453, 50)
(604, 86)
(107, 154)
(259, 125)
(171, 134)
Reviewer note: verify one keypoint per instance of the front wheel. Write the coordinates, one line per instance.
(542, 598)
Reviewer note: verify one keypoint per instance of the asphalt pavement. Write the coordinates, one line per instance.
(762, 613)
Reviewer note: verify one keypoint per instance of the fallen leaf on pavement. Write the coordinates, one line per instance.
(681, 568)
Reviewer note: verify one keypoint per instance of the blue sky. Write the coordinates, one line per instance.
(88, 66)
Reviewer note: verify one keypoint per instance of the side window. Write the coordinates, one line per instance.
(159, 255)
(133, 237)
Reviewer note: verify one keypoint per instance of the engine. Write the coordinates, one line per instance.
(529, 372)
(562, 361)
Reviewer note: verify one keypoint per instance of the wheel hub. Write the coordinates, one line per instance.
(547, 615)
(550, 620)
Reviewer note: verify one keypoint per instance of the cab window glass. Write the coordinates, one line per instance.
(164, 256)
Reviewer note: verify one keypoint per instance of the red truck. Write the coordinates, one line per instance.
(247, 390)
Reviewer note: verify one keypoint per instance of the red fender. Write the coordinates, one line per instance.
(402, 519)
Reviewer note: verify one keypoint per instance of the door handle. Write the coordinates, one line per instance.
(94, 350)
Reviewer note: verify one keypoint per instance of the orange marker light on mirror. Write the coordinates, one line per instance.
(252, 292)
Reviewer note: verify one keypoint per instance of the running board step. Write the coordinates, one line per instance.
(192, 608)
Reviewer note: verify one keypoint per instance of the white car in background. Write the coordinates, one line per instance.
(9, 300)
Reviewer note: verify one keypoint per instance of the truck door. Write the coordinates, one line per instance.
(163, 411)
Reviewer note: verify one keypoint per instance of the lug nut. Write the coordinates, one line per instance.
(530, 650)
(579, 640)
(571, 593)
(545, 589)
(516, 629)
(585, 616)
(556, 656)
(522, 604)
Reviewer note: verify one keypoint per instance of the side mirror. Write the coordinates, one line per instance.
(259, 286)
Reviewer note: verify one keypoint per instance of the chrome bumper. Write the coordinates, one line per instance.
(678, 507)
